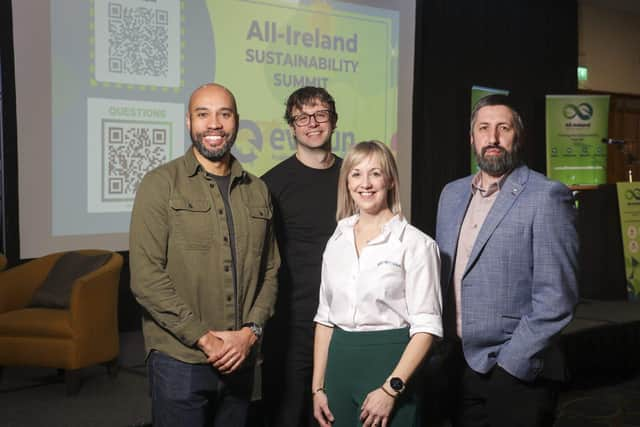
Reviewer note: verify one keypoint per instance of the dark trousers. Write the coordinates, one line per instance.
(184, 394)
(498, 399)
(360, 362)
(288, 366)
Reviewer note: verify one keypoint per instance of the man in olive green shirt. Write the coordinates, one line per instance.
(203, 267)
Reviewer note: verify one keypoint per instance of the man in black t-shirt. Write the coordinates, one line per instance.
(304, 190)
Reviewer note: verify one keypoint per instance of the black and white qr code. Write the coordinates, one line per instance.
(131, 149)
(138, 40)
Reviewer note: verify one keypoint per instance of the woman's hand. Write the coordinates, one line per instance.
(376, 409)
(321, 410)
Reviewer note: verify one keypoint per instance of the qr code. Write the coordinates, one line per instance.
(130, 151)
(137, 42)
(125, 140)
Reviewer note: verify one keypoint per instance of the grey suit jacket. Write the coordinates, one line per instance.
(519, 288)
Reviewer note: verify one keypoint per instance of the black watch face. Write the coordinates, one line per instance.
(396, 383)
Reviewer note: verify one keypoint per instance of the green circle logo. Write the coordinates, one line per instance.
(583, 111)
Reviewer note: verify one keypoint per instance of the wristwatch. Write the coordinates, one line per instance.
(396, 384)
(255, 328)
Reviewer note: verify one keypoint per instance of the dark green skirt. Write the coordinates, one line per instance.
(360, 362)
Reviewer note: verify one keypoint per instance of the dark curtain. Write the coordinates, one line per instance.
(527, 47)
(9, 131)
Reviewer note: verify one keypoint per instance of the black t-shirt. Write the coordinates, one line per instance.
(305, 202)
(223, 182)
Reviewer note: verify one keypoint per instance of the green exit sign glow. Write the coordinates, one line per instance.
(583, 74)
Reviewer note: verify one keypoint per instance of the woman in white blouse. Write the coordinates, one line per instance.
(380, 303)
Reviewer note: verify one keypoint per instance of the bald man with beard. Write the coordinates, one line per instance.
(204, 265)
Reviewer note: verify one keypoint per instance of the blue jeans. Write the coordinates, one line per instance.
(184, 394)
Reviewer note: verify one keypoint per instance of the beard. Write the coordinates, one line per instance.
(212, 155)
(498, 165)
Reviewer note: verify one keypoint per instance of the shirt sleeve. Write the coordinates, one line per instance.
(423, 294)
(322, 315)
(150, 282)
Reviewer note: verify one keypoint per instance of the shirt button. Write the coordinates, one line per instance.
(229, 298)
(211, 185)
(229, 329)
(220, 211)
(226, 268)
(225, 238)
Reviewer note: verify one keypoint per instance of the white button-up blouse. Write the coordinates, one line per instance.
(395, 283)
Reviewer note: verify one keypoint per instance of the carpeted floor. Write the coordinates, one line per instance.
(36, 397)
(612, 401)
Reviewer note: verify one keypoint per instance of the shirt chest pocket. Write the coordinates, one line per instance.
(192, 222)
(259, 217)
(391, 273)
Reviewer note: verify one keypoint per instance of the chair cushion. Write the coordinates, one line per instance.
(55, 292)
(36, 322)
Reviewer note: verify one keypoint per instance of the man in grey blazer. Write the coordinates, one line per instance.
(508, 245)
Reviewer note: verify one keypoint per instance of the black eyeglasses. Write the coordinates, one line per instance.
(304, 119)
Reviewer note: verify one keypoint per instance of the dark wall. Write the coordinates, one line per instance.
(602, 274)
(9, 147)
(527, 47)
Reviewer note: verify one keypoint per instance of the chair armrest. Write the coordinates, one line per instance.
(18, 284)
(94, 299)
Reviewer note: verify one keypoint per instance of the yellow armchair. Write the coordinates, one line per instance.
(69, 339)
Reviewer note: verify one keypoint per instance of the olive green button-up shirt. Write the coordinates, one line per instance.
(180, 256)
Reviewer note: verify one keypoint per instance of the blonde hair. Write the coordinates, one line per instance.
(356, 154)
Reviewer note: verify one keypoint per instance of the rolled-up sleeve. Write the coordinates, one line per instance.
(423, 294)
(322, 315)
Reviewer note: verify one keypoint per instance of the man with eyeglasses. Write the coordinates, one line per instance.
(304, 192)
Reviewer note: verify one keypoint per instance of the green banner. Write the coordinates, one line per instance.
(478, 92)
(629, 207)
(273, 47)
(576, 125)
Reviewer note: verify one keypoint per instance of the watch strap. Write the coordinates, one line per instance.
(254, 327)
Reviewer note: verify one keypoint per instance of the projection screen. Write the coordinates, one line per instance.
(102, 88)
